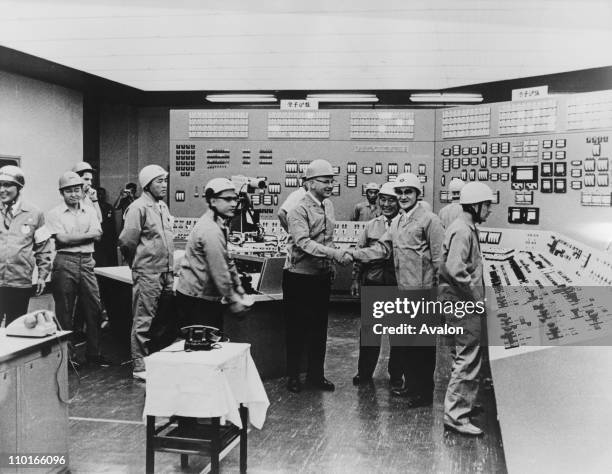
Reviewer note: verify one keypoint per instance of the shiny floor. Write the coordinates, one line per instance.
(352, 430)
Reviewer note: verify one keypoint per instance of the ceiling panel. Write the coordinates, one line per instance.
(289, 45)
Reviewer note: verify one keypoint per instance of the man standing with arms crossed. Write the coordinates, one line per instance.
(307, 277)
(75, 228)
(90, 196)
(24, 242)
(146, 244)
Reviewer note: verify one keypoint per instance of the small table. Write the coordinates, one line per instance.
(216, 384)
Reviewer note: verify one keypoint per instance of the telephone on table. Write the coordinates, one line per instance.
(202, 338)
(39, 323)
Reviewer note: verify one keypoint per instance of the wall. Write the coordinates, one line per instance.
(130, 138)
(43, 124)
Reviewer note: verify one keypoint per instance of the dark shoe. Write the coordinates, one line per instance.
(294, 385)
(359, 380)
(321, 384)
(396, 383)
(401, 392)
(420, 401)
(99, 361)
(476, 409)
(465, 428)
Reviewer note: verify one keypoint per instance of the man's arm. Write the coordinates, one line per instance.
(221, 268)
(435, 237)
(298, 228)
(130, 235)
(282, 217)
(43, 253)
(379, 250)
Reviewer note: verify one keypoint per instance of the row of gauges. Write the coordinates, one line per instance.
(500, 147)
(265, 199)
(493, 161)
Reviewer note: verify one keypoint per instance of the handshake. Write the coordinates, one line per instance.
(343, 256)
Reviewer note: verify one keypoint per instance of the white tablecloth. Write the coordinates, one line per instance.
(205, 384)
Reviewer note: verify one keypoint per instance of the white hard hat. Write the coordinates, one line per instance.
(407, 180)
(456, 185)
(388, 189)
(218, 185)
(318, 168)
(69, 178)
(372, 186)
(12, 174)
(475, 192)
(82, 167)
(149, 173)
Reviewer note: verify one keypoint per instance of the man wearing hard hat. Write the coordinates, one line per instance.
(307, 277)
(75, 228)
(413, 241)
(146, 243)
(369, 209)
(208, 275)
(24, 243)
(377, 273)
(90, 196)
(461, 279)
(453, 210)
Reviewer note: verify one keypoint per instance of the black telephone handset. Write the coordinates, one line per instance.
(202, 338)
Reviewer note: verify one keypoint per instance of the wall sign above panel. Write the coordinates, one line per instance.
(528, 117)
(218, 124)
(379, 125)
(460, 122)
(294, 124)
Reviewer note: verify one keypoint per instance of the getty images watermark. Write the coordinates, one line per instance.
(510, 317)
(416, 317)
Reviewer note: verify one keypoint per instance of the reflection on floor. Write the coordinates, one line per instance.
(356, 430)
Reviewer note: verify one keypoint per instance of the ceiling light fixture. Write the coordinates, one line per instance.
(446, 97)
(241, 98)
(343, 97)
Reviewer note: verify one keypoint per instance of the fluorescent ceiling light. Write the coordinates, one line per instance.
(445, 97)
(343, 97)
(241, 98)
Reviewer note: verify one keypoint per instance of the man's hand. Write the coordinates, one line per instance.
(343, 257)
(355, 288)
(93, 194)
(40, 286)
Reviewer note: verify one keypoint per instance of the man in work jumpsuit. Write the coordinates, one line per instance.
(208, 274)
(146, 244)
(90, 195)
(453, 210)
(307, 278)
(377, 273)
(369, 209)
(24, 242)
(413, 240)
(75, 228)
(461, 279)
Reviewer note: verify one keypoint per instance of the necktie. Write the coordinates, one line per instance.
(8, 216)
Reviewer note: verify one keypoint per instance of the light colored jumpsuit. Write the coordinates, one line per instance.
(146, 242)
(24, 244)
(414, 240)
(461, 280)
(449, 213)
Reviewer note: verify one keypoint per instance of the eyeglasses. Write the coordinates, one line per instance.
(405, 192)
(326, 181)
(228, 198)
